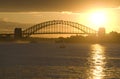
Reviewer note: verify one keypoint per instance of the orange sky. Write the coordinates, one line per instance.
(81, 11)
(112, 22)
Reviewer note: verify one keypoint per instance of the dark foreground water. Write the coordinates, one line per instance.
(49, 61)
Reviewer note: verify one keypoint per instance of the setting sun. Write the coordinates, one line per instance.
(98, 18)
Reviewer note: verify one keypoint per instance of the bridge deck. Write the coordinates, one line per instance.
(62, 33)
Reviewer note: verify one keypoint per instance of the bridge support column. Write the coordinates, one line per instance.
(18, 33)
(101, 32)
(101, 35)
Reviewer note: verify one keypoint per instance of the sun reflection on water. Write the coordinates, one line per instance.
(97, 62)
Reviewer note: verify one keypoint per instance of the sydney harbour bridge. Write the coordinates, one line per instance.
(58, 27)
(54, 27)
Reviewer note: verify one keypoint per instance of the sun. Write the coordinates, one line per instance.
(98, 18)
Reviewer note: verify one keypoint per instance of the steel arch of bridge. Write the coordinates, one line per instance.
(31, 30)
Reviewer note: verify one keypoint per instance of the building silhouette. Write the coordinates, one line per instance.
(18, 33)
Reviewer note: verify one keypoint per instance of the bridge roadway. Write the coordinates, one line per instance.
(11, 34)
(62, 33)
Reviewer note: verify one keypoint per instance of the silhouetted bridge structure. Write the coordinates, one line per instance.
(55, 27)
(58, 27)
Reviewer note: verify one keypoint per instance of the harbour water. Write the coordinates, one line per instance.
(49, 61)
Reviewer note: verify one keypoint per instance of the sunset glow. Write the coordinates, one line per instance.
(98, 18)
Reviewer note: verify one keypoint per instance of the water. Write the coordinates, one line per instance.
(49, 61)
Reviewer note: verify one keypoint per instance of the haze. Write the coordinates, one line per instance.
(36, 11)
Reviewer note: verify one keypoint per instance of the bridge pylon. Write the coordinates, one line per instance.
(18, 33)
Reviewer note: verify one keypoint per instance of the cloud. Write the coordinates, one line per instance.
(66, 12)
(4, 19)
(118, 8)
(54, 5)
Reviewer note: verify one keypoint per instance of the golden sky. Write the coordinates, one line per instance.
(54, 5)
(92, 13)
(107, 17)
